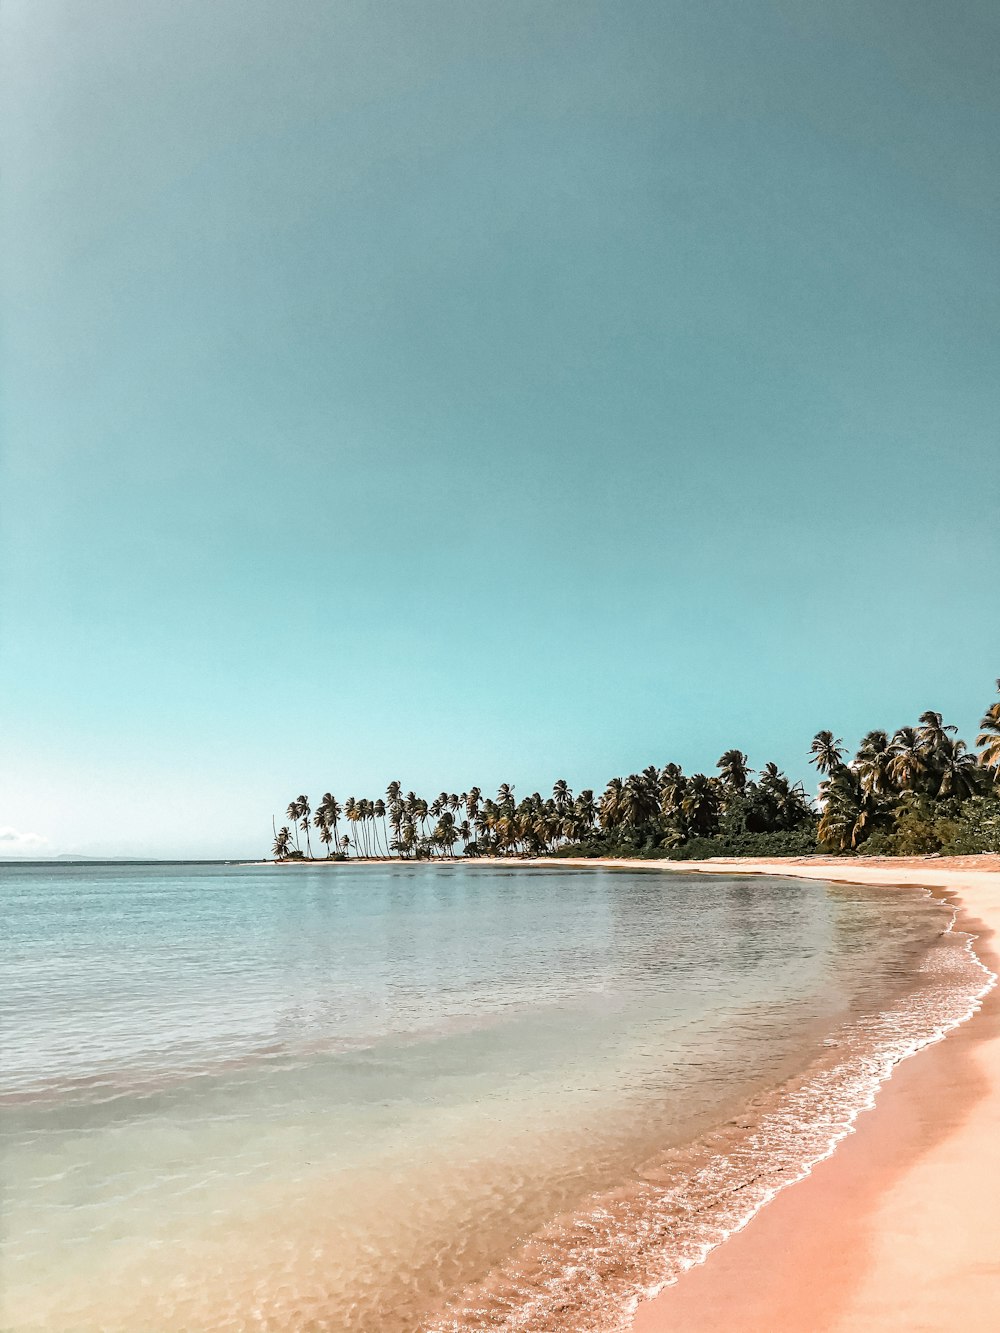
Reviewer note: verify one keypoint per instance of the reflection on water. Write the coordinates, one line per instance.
(389, 1097)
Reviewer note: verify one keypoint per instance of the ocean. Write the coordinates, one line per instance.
(426, 1097)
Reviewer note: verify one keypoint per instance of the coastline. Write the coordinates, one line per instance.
(898, 1229)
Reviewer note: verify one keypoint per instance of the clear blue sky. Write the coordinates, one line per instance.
(463, 392)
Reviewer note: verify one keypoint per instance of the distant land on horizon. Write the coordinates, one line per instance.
(117, 860)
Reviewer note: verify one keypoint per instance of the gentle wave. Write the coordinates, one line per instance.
(588, 1272)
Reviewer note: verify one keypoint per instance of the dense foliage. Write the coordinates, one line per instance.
(921, 790)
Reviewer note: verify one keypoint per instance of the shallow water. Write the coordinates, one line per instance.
(402, 1097)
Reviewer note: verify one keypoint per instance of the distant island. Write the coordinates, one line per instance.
(920, 791)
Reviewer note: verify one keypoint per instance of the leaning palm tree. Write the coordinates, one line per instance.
(293, 814)
(302, 803)
(378, 812)
(352, 814)
(322, 825)
(333, 812)
(282, 843)
(988, 739)
(826, 753)
(407, 839)
(421, 810)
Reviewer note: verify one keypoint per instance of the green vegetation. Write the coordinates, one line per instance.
(920, 791)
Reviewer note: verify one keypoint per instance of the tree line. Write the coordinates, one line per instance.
(920, 790)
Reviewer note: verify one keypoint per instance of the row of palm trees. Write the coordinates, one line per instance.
(661, 807)
(926, 764)
(664, 803)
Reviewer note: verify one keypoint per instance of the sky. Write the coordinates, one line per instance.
(468, 392)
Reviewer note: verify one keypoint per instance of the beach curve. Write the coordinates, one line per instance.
(896, 1229)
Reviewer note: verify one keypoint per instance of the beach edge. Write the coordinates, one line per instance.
(897, 1229)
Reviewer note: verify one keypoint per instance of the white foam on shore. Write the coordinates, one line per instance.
(892, 1059)
(590, 1272)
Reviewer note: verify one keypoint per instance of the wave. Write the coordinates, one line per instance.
(588, 1271)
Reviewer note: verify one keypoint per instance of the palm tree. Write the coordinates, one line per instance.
(301, 804)
(293, 814)
(873, 763)
(446, 832)
(585, 809)
(320, 823)
(847, 812)
(378, 812)
(282, 843)
(421, 812)
(611, 804)
(638, 803)
(958, 767)
(989, 737)
(700, 806)
(562, 795)
(907, 763)
(506, 827)
(932, 732)
(352, 813)
(827, 753)
(733, 770)
(673, 785)
(326, 838)
(407, 838)
(333, 812)
(772, 779)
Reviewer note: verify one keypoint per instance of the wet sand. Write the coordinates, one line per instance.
(900, 1228)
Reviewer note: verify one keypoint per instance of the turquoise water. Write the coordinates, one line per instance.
(400, 1097)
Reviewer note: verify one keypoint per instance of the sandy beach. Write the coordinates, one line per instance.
(900, 1228)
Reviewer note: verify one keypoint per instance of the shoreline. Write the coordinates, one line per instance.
(897, 1228)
